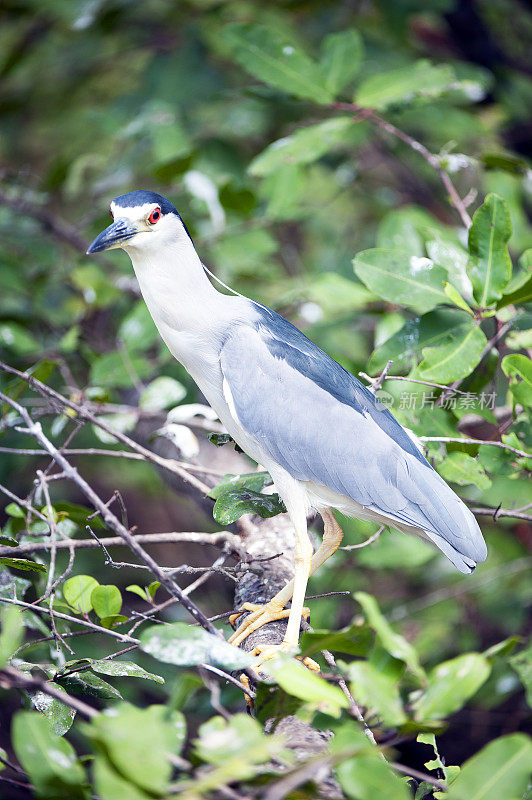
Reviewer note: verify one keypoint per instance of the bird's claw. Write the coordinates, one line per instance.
(267, 652)
(260, 615)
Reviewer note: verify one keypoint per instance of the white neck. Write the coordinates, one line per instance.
(173, 283)
(190, 314)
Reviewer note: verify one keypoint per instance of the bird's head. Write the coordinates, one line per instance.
(141, 220)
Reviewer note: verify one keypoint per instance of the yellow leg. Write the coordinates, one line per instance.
(275, 608)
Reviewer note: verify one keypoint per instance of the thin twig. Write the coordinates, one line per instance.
(490, 443)
(123, 637)
(226, 676)
(372, 538)
(24, 504)
(499, 512)
(354, 709)
(97, 451)
(218, 539)
(418, 147)
(373, 382)
(420, 776)
(17, 678)
(165, 463)
(35, 429)
(57, 636)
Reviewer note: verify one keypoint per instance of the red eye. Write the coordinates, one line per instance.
(155, 216)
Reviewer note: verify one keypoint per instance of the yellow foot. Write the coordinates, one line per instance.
(260, 615)
(267, 652)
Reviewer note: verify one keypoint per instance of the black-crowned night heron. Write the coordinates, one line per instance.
(320, 433)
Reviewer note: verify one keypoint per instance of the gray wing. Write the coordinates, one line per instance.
(287, 397)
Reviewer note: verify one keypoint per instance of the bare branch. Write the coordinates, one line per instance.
(490, 443)
(481, 511)
(219, 539)
(123, 637)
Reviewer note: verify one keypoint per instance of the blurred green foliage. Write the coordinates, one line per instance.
(335, 215)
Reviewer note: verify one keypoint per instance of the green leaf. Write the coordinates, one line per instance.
(87, 684)
(163, 392)
(11, 632)
(236, 745)
(17, 339)
(136, 742)
(77, 591)
(392, 642)
(436, 762)
(463, 469)
(276, 61)
(232, 504)
(404, 347)
(505, 161)
(450, 686)
(518, 368)
(7, 541)
(187, 646)
(306, 145)
(377, 692)
(490, 266)
(49, 760)
(22, 563)
(135, 589)
(399, 277)
(15, 511)
(111, 785)
(247, 480)
(59, 715)
(455, 359)
(119, 370)
(220, 439)
(106, 600)
(122, 669)
(399, 86)
(500, 770)
(522, 663)
(355, 640)
(523, 294)
(368, 777)
(455, 297)
(341, 58)
(151, 589)
(113, 620)
(300, 682)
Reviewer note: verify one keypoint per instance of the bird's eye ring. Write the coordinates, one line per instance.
(155, 216)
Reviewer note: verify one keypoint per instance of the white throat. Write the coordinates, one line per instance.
(190, 314)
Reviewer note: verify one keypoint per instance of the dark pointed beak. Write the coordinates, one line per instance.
(114, 236)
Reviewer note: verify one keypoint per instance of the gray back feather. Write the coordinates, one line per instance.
(322, 425)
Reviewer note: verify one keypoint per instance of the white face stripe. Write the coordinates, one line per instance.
(133, 213)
